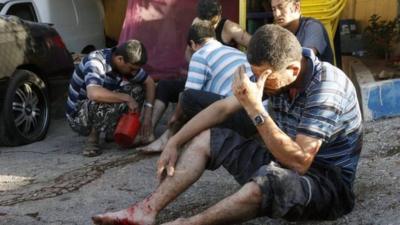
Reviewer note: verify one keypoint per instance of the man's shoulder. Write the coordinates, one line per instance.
(209, 52)
(331, 80)
(310, 21)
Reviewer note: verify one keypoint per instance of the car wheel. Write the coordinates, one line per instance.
(26, 109)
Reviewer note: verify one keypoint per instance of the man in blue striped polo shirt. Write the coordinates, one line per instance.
(106, 84)
(303, 168)
(211, 70)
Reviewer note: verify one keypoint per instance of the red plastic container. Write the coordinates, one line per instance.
(127, 129)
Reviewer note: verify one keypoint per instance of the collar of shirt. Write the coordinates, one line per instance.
(212, 41)
(304, 79)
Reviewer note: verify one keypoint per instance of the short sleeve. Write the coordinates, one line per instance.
(94, 73)
(140, 77)
(198, 73)
(314, 36)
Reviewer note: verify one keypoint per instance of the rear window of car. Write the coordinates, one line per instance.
(1, 5)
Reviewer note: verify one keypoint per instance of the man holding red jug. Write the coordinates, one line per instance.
(106, 84)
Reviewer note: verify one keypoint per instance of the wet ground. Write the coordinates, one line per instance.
(51, 183)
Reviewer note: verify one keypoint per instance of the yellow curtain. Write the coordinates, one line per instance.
(114, 15)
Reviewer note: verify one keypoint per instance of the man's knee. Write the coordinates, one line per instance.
(193, 101)
(200, 144)
(251, 193)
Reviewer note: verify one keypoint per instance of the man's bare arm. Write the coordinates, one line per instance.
(235, 32)
(295, 154)
(101, 94)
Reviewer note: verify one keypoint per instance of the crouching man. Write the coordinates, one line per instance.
(304, 167)
(106, 84)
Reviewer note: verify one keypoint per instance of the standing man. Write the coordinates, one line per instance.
(309, 31)
(106, 84)
(304, 168)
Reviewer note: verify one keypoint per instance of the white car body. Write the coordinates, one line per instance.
(79, 22)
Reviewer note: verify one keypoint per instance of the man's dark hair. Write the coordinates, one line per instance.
(207, 9)
(199, 31)
(269, 1)
(275, 46)
(133, 51)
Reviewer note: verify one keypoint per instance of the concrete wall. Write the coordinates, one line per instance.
(361, 10)
(378, 99)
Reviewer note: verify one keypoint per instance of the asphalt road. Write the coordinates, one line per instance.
(51, 183)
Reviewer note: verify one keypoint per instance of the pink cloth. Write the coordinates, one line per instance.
(162, 26)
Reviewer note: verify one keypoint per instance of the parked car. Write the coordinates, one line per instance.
(35, 68)
(79, 22)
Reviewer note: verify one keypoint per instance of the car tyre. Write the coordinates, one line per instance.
(26, 109)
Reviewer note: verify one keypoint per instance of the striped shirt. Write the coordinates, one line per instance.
(211, 68)
(325, 107)
(95, 70)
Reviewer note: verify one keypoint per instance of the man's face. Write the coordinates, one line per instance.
(285, 11)
(125, 68)
(277, 81)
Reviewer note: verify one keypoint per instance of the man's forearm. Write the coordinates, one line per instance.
(284, 149)
(100, 94)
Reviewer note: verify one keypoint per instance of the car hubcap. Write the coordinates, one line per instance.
(29, 109)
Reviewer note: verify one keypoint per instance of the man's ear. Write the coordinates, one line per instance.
(193, 45)
(295, 67)
(119, 59)
(297, 6)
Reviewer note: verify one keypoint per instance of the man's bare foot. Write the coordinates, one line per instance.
(134, 215)
(157, 145)
(148, 139)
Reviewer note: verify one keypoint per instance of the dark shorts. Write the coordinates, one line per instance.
(319, 194)
(168, 90)
(194, 101)
(103, 117)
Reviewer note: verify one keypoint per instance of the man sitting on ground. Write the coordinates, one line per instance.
(211, 69)
(227, 32)
(304, 168)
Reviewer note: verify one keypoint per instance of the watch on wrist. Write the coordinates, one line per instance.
(259, 119)
(148, 105)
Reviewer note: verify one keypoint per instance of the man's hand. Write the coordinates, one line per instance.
(132, 104)
(248, 93)
(167, 161)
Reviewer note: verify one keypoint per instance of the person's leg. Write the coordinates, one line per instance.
(241, 157)
(241, 206)
(82, 123)
(158, 110)
(92, 147)
(166, 91)
(189, 168)
(156, 145)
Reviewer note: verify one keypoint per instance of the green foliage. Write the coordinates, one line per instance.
(381, 35)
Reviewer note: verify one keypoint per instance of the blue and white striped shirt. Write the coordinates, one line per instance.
(325, 108)
(95, 70)
(211, 68)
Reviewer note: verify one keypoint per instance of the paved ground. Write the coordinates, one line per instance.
(50, 183)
